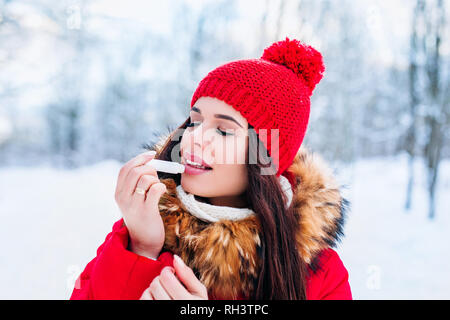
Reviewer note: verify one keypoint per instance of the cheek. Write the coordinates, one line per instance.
(233, 179)
(231, 151)
(232, 174)
(184, 141)
(187, 142)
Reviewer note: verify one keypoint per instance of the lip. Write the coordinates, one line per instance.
(188, 169)
(191, 169)
(194, 158)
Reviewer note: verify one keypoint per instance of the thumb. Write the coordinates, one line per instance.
(188, 278)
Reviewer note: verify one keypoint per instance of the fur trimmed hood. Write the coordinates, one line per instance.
(224, 254)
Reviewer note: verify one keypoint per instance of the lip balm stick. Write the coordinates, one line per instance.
(166, 166)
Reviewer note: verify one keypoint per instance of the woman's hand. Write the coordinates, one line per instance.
(140, 211)
(166, 286)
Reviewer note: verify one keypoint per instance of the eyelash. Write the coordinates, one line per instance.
(222, 133)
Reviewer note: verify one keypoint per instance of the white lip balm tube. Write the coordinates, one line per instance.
(166, 166)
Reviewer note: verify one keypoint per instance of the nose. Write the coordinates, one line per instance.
(201, 137)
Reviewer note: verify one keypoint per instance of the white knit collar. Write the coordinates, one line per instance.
(211, 213)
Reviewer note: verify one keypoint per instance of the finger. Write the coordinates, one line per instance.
(172, 285)
(157, 290)
(154, 194)
(136, 161)
(145, 182)
(146, 295)
(188, 278)
(134, 175)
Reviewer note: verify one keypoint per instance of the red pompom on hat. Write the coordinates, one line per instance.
(304, 60)
(272, 92)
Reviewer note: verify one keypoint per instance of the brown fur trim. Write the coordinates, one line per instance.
(224, 254)
(319, 204)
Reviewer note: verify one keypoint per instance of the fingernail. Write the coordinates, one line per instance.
(170, 269)
(150, 153)
(178, 259)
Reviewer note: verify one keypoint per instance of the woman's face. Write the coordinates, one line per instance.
(218, 136)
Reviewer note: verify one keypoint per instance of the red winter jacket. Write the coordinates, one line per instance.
(117, 273)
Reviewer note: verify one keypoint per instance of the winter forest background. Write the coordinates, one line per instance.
(83, 84)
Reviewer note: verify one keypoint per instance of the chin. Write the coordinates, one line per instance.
(197, 185)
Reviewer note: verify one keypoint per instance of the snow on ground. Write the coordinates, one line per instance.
(54, 220)
(52, 223)
(392, 253)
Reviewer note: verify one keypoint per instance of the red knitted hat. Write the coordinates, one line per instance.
(272, 92)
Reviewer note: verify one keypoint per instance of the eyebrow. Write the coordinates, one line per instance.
(219, 116)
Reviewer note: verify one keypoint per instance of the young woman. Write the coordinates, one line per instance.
(253, 216)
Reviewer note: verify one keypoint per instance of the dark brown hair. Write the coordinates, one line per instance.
(282, 273)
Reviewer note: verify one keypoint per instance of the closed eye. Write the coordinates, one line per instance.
(221, 132)
(224, 133)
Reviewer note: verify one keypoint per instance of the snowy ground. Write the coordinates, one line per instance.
(53, 221)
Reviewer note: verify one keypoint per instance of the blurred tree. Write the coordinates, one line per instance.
(64, 115)
(201, 41)
(429, 83)
(436, 95)
(410, 141)
(281, 17)
(339, 101)
(120, 122)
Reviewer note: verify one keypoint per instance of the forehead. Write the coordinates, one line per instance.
(210, 106)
